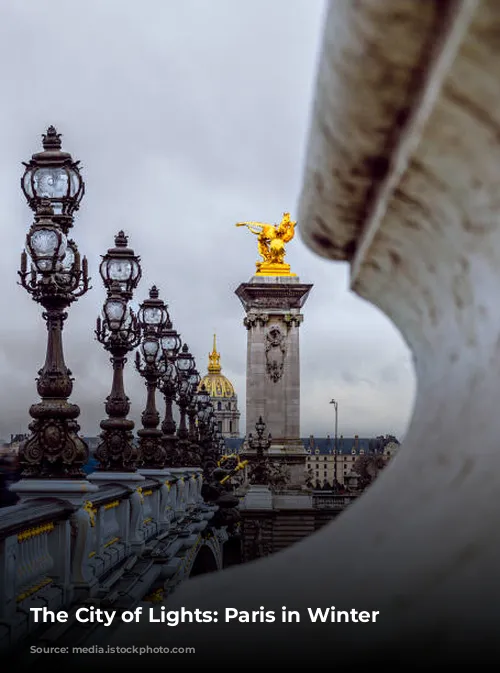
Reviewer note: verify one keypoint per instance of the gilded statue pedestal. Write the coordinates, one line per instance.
(270, 269)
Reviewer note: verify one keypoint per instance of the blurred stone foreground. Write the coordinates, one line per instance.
(401, 181)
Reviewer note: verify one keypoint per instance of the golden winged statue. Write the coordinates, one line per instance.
(271, 240)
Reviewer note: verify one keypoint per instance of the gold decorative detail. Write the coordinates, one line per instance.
(146, 521)
(240, 465)
(111, 505)
(139, 491)
(214, 359)
(156, 597)
(168, 485)
(92, 554)
(32, 590)
(34, 532)
(216, 384)
(146, 493)
(113, 540)
(271, 240)
(91, 511)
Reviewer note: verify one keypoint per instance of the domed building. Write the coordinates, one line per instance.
(222, 394)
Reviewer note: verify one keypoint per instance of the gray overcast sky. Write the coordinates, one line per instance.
(188, 116)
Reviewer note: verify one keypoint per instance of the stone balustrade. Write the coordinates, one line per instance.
(55, 554)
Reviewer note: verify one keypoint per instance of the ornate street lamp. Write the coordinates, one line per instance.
(170, 343)
(56, 278)
(119, 332)
(206, 427)
(121, 265)
(53, 176)
(260, 468)
(153, 318)
(53, 188)
(186, 367)
(167, 385)
(192, 408)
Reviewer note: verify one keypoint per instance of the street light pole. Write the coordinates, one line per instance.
(336, 407)
(56, 278)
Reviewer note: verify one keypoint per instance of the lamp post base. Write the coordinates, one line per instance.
(74, 491)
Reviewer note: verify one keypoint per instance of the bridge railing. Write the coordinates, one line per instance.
(53, 553)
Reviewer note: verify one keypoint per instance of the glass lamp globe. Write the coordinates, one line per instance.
(120, 265)
(194, 380)
(153, 312)
(170, 374)
(53, 175)
(202, 397)
(185, 361)
(114, 310)
(170, 342)
(150, 349)
(69, 258)
(46, 242)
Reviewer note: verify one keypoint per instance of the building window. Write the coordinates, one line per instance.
(230, 426)
(219, 425)
(219, 406)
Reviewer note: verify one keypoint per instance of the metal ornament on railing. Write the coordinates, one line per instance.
(56, 278)
(119, 332)
(153, 319)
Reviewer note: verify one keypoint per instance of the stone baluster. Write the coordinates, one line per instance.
(10, 558)
(83, 579)
(136, 500)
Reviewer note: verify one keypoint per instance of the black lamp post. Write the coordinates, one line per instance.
(206, 427)
(56, 278)
(194, 447)
(119, 332)
(170, 343)
(185, 367)
(260, 471)
(153, 319)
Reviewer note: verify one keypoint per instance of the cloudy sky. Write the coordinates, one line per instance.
(188, 116)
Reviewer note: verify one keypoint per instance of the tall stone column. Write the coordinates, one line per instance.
(273, 319)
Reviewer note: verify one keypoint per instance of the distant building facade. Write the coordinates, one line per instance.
(328, 465)
(325, 465)
(222, 395)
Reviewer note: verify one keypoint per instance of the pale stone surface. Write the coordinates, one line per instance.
(122, 478)
(273, 304)
(258, 497)
(402, 178)
(74, 491)
(293, 501)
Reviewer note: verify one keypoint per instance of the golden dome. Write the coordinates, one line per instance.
(216, 384)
